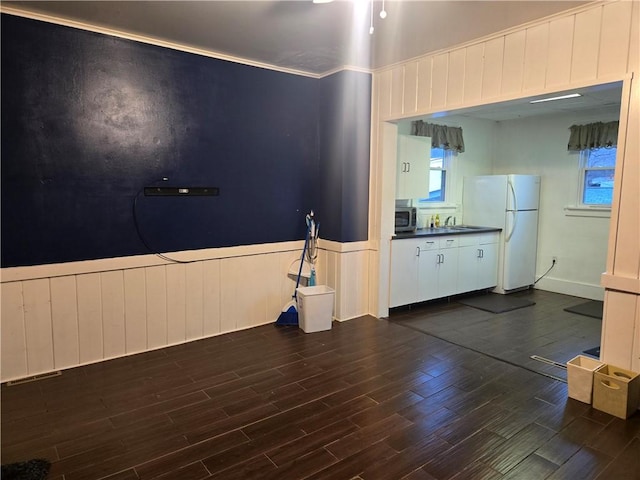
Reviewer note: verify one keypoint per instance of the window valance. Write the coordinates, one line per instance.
(442, 136)
(593, 135)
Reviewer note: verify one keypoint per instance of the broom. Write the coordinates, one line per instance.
(289, 314)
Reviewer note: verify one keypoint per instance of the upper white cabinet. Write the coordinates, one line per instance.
(412, 174)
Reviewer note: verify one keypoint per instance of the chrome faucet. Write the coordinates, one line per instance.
(446, 222)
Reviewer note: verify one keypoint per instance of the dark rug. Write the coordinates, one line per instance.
(495, 303)
(594, 352)
(592, 308)
(36, 469)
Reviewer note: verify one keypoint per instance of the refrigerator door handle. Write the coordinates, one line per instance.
(513, 195)
(513, 226)
(515, 211)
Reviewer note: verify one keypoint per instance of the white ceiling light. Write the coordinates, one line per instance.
(561, 97)
(322, 1)
(383, 12)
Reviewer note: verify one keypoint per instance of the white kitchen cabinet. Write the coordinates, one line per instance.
(412, 173)
(405, 257)
(429, 267)
(423, 269)
(477, 262)
(439, 267)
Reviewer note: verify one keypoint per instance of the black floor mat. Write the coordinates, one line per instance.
(592, 308)
(36, 469)
(594, 352)
(496, 303)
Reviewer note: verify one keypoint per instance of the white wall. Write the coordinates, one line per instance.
(538, 145)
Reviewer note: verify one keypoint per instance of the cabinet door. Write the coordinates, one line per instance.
(428, 274)
(405, 255)
(488, 266)
(468, 260)
(448, 272)
(414, 156)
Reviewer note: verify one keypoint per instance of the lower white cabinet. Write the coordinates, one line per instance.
(405, 261)
(440, 266)
(477, 262)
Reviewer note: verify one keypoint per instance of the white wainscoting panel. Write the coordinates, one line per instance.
(397, 90)
(492, 71)
(37, 323)
(135, 310)
(439, 76)
(12, 333)
(113, 324)
(586, 45)
(424, 84)
(64, 315)
(156, 284)
(410, 87)
(194, 291)
(176, 303)
(614, 39)
(560, 51)
(456, 77)
(513, 63)
(211, 293)
(535, 57)
(74, 319)
(90, 338)
(474, 66)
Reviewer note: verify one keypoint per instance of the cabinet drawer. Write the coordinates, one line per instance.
(468, 240)
(449, 242)
(487, 238)
(430, 245)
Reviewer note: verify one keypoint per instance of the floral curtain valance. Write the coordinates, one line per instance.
(593, 135)
(449, 138)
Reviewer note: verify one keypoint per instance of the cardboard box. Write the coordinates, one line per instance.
(616, 391)
(580, 371)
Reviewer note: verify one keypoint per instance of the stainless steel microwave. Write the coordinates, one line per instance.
(406, 219)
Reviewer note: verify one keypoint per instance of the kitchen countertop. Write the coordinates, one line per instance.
(452, 230)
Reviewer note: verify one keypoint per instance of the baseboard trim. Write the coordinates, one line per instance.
(575, 289)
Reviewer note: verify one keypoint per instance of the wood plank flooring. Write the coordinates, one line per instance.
(543, 330)
(369, 399)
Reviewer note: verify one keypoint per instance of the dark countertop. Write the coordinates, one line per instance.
(436, 232)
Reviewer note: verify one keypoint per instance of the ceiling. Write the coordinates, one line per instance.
(596, 100)
(315, 39)
(303, 36)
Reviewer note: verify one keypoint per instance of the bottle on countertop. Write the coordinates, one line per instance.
(437, 220)
(431, 223)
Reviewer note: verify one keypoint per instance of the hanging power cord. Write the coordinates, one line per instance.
(553, 264)
(142, 239)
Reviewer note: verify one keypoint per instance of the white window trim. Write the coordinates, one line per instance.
(579, 209)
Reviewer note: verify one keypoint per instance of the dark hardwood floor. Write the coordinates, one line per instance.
(543, 330)
(370, 399)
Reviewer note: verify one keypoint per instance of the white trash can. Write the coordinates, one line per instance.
(315, 308)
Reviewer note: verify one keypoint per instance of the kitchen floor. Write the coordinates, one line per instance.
(543, 330)
(368, 399)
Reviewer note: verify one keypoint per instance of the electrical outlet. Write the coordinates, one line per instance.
(554, 260)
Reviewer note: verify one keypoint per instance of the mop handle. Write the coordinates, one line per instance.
(304, 249)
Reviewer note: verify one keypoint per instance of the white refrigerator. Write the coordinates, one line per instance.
(509, 202)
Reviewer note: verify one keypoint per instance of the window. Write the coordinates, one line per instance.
(597, 168)
(438, 180)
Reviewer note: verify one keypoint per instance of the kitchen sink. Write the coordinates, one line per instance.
(463, 227)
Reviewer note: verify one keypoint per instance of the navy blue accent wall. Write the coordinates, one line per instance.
(345, 112)
(88, 120)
